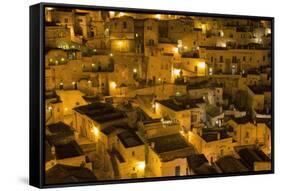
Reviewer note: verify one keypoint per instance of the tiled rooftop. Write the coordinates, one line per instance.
(260, 89)
(130, 139)
(177, 104)
(229, 164)
(100, 112)
(71, 149)
(68, 174)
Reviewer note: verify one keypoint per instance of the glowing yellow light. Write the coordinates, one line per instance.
(141, 165)
(113, 85)
(177, 72)
(51, 60)
(176, 49)
(135, 70)
(73, 83)
(182, 132)
(120, 43)
(222, 33)
(159, 79)
(50, 108)
(211, 71)
(203, 28)
(202, 65)
(89, 81)
(221, 44)
(62, 59)
(179, 43)
(111, 54)
(95, 130)
(268, 31)
(95, 50)
(158, 16)
(66, 109)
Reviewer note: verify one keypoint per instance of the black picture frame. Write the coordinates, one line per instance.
(37, 89)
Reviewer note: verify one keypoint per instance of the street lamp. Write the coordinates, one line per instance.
(158, 16)
(177, 72)
(113, 85)
(176, 50)
(95, 131)
(141, 165)
(50, 108)
(202, 65)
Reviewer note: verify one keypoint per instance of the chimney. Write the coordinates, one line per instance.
(218, 136)
(220, 109)
(152, 144)
(267, 110)
(200, 132)
(53, 150)
(76, 135)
